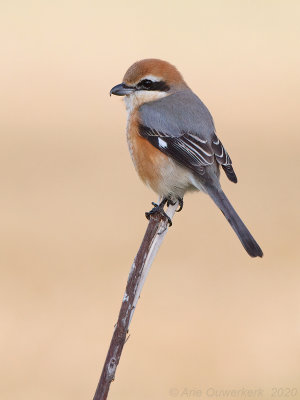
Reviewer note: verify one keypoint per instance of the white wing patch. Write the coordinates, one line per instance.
(162, 143)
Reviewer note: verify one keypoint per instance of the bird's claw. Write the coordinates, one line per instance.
(180, 202)
(158, 209)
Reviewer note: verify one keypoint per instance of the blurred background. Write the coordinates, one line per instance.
(72, 208)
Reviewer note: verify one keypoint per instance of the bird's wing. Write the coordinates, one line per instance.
(181, 126)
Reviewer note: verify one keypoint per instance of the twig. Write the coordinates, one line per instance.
(154, 236)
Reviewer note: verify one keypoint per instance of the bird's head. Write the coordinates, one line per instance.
(149, 80)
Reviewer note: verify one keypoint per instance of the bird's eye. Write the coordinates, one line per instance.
(145, 84)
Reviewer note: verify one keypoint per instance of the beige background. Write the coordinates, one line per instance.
(71, 205)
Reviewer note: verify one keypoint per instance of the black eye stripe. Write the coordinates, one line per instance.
(147, 84)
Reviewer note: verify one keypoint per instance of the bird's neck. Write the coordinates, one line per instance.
(136, 99)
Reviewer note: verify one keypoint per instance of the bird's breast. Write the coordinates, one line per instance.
(148, 161)
(157, 170)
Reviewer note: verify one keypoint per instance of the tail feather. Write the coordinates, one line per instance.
(247, 240)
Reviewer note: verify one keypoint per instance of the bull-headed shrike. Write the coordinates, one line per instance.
(173, 143)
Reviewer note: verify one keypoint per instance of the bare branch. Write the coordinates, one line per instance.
(154, 236)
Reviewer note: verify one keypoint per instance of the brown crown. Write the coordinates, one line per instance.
(152, 66)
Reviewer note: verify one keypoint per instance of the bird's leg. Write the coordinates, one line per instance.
(159, 208)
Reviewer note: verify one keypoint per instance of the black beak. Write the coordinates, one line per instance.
(121, 90)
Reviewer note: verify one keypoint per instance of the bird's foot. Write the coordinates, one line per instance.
(159, 209)
(180, 202)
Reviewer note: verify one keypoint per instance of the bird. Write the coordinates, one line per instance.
(173, 142)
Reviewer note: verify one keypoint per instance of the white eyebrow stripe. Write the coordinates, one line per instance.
(152, 78)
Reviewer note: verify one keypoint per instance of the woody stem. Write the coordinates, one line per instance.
(154, 236)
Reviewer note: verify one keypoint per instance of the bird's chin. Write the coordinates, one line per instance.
(137, 98)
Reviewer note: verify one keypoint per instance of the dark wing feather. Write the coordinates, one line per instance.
(190, 150)
(223, 159)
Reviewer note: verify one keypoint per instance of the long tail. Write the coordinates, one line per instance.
(235, 221)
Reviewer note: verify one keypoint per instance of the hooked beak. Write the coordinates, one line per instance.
(121, 90)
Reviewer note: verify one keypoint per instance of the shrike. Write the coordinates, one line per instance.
(173, 143)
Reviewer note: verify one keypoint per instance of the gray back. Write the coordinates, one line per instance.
(179, 113)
